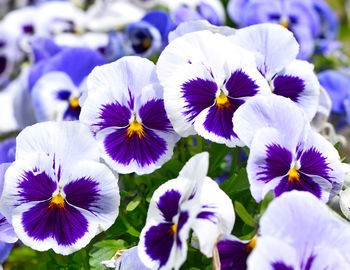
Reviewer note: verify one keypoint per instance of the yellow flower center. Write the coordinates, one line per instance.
(251, 245)
(293, 175)
(222, 101)
(135, 128)
(173, 229)
(284, 23)
(57, 201)
(74, 103)
(146, 43)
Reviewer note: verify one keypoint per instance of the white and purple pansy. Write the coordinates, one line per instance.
(275, 50)
(286, 155)
(57, 194)
(179, 205)
(205, 79)
(125, 109)
(299, 232)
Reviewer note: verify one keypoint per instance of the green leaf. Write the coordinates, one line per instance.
(268, 198)
(104, 250)
(133, 204)
(244, 215)
(237, 182)
(124, 193)
(217, 153)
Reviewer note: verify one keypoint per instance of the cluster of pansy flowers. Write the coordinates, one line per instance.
(239, 88)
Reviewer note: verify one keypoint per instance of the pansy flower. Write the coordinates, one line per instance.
(149, 35)
(285, 153)
(59, 82)
(299, 232)
(125, 109)
(203, 89)
(190, 201)
(57, 194)
(275, 50)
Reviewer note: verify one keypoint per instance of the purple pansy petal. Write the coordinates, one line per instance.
(233, 252)
(288, 86)
(277, 163)
(305, 184)
(82, 193)
(35, 185)
(239, 85)
(114, 115)
(66, 225)
(168, 204)
(143, 151)
(299, 83)
(319, 159)
(159, 242)
(153, 116)
(198, 94)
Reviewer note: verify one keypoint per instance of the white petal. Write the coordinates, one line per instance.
(275, 46)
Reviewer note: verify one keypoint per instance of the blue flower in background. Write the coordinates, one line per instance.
(337, 86)
(149, 35)
(313, 22)
(56, 83)
(210, 10)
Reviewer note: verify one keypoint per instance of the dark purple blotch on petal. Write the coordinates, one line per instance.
(304, 184)
(183, 218)
(199, 94)
(241, 85)
(219, 120)
(211, 216)
(34, 186)
(63, 94)
(72, 113)
(114, 115)
(313, 162)
(288, 86)
(66, 225)
(159, 241)
(277, 163)
(233, 254)
(145, 150)
(153, 116)
(83, 193)
(168, 204)
(3, 63)
(281, 266)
